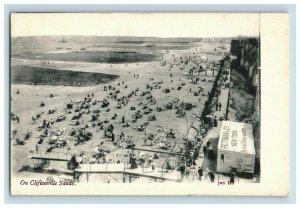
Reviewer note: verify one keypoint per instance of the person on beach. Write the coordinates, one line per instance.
(215, 121)
(200, 173)
(182, 171)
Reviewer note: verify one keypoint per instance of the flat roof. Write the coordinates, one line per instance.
(237, 137)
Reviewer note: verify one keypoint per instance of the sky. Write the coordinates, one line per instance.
(136, 24)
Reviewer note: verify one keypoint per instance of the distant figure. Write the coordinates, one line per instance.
(182, 171)
(211, 123)
(152, 164)
(211, 176)
(133, 164)
(232, 176)
(194, 172)
(123, 119)
(36, 148)
(210, 153)
(200, 173)
(187, 172)
(215, 121)
(112, 137)
(205, 150)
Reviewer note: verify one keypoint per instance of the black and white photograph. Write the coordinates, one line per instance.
(135, 98)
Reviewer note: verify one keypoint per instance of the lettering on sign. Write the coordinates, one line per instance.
(234, 134)
(234, 142)
(239, 161)
(244, 145)
(225, 137)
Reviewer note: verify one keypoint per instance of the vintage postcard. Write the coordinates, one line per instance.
(149, 104)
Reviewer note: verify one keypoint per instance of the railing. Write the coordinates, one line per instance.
(55, 153)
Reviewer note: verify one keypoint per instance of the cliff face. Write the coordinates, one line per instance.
(247, 53)
(247, 63)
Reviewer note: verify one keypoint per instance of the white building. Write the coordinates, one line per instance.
(236, 148)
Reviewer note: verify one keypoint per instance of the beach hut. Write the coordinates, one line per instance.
(236, 150)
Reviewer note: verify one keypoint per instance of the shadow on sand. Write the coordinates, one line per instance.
(28, 168)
